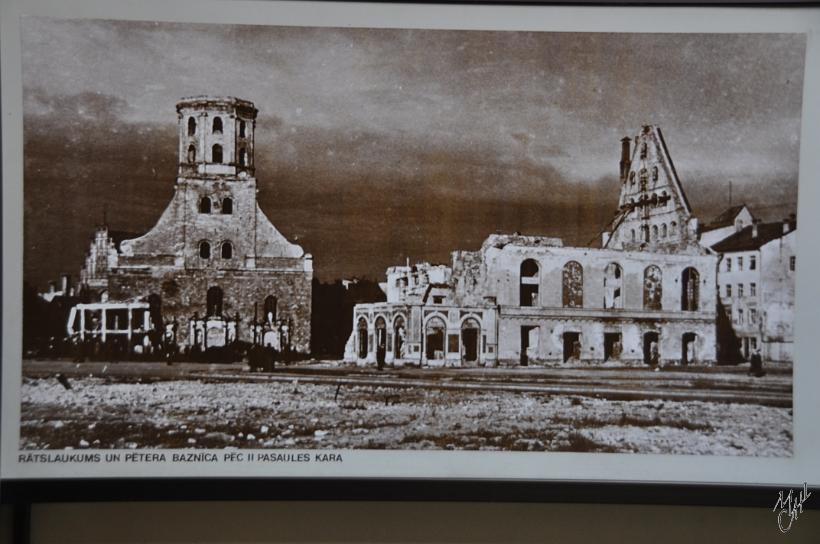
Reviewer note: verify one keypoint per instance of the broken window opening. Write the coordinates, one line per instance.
(613, 286)
(362, 338)
(528, 292)
(434, 338)
(572, 285)
(689, 289)
(652, 288)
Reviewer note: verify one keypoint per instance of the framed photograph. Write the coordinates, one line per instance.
(326, 249)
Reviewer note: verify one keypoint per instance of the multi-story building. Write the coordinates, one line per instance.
(756, 278)
(646, 296)
(213, 265)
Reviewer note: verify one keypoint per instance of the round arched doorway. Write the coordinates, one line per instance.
(434, 332)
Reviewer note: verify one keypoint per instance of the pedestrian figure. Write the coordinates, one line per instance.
(756, 361)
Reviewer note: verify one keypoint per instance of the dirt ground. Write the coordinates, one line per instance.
(200, 413)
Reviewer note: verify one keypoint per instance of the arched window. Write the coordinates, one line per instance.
(644, 177)
(652, 288)
(191, 126)
(529, 280)
(643, 150)
(214, 302)
(664, 199)
(205, 250)
(654, 232)
(227, 206)
(241, 128)
(227, 250)
(645, 233)
(362, 338)
(205, 205)
(217, 125)
(632, 232)
(191, 153)
(269, 308)
(572, 285)
(663, 231)
(654, 173)
(689, 290)
(673, 228)
(243, 157)
(613, 286)
(216, 154)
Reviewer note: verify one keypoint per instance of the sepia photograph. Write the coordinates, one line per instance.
(317, 238)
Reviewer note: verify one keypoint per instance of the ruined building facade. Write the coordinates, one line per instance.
(213, 265)
(647, 296)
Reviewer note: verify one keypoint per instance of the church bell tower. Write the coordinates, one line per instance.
(216, 137)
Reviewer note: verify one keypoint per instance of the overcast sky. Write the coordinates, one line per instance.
(376, 145)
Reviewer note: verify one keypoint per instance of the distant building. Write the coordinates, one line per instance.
(214, 269)
(647, 296)
(756, 279)
(732, 220)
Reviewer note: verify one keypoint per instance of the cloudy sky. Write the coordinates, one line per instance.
(377, 145)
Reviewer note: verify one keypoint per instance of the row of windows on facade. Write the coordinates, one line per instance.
(572, 286)
(225, 206)
(655, 232)
(216, 126)
(740, 290)
(739, 263)
(216, 155)
(738, 317)
(643, 175)
(753, 263)
(225, 250)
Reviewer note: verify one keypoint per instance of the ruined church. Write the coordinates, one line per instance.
(213, 270)
(647, 295)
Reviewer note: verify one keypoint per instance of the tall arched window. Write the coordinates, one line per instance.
(205, 250)
(227, 206)
(363, 335)
(191, 126)
(663, 231)
(216, 154)
(529, 280)
(241, 128)
(227, 250)
(673, 229)
(191, 153)
(654, 232)
(269, 307)
(643, 150)
(214, 302)
(652, 288)
(217, 125)
(613, 286)
(654, 173)
(632, 232)
(690, 280)
(243, 157)
(572, 285)
(205, 205)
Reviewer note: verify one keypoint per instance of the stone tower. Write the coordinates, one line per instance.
(653, 211)
(213, 253)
